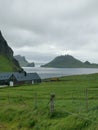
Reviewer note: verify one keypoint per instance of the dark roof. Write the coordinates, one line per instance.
(28, 76)
(19, 76)
(5, 76)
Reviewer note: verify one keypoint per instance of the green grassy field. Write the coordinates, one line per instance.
(28, 108)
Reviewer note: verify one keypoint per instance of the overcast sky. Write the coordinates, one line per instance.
(43, 29)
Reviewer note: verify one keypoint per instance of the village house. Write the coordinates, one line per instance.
(19, 78)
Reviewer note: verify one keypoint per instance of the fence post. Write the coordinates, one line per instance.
(35, 101)
(52, 97)
(86, 98)
(8, 98)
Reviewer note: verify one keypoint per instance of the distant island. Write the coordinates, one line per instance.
(23, 62)
(68, 61)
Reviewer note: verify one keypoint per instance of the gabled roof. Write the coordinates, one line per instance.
(28, 76)
(5, 76)
(19, 76)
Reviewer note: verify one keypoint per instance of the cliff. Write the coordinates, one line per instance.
(7, 61)
(23, 62)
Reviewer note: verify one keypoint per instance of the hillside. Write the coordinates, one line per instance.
(23, 62)
(7, 61)
(68, 61)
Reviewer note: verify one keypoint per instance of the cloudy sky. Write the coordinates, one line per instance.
(43, 29)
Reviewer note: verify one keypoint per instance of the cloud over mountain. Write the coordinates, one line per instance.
(44, 29)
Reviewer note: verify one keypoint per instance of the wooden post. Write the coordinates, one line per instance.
(8, 98)
(52, 96)
(35, 101)
(86, 98)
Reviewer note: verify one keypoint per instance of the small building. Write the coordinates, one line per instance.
(16, 78)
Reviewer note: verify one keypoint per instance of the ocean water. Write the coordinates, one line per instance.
(58, 72)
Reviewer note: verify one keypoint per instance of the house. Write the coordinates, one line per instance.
(19, 78)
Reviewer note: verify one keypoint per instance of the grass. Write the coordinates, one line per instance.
(27, 107)
(6, 65)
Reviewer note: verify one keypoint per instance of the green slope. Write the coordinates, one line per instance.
(7, 61)
(6, 65)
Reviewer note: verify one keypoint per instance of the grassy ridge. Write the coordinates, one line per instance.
(6, 65)
(27, 107)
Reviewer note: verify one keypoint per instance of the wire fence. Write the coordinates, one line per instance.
(83, 100)
(76, 102)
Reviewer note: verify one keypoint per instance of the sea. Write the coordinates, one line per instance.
(45, 73)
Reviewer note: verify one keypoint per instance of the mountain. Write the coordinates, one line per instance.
(23, 62)
(21, 59)
(68, 61)
(31, 64)
(7, 61)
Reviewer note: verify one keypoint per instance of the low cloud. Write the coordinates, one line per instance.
(41, 30)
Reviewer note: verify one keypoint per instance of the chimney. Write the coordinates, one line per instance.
(25, 74)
